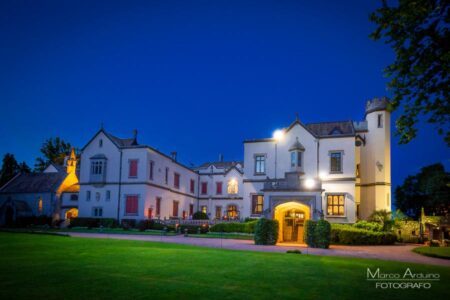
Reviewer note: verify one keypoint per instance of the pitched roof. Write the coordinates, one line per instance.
(121, 142)
(34, 183)
(220, 164)
(329, 129)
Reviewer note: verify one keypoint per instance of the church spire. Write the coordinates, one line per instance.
(72, 162)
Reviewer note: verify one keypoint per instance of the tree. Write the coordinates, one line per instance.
(382, 217)
(418, 31)
(430, 189)
(11, 168)
(54, 150)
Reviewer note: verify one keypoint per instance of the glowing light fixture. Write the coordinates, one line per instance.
(323, 175)
(278, 135)
(310, 183)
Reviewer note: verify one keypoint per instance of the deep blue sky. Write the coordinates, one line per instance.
(197, 77)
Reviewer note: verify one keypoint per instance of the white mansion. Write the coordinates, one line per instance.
(338, 170)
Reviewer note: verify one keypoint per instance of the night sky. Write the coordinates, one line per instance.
(197, 77)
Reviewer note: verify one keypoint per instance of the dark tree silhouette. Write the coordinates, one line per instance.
(54, 150)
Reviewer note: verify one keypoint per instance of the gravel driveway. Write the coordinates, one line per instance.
(401, 252)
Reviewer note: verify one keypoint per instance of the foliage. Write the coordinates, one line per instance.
(349, 235)
(266, 232)
(428, 189)
(408, 231)
(54, 150)
(372, 226)
(434, 243)
(93, 222)
(198, 215)
(418, 32)
(247, 227)
(10, 168)
(193, 229)
(318, 234)
(384, 218)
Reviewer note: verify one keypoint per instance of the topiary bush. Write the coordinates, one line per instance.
(200, 216)
(349, 235)
(318, 234)
(248, 227)
(266, 232)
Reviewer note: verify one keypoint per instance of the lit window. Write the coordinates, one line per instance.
(336, 162)
(232, 186)
(336, 205)
(260, 164)
(232, 212)
(40, 205)
(257, 204)
(204, 209)
(131, 205)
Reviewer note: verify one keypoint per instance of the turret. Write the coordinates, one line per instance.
(72, 162)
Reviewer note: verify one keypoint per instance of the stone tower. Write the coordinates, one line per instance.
(375, 162)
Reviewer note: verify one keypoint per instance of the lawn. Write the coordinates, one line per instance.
(441, 252)
(52, 267)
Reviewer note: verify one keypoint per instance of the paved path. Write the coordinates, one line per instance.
(395, 252)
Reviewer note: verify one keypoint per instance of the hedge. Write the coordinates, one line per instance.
(32, 221)
(317, 234)
(247, 227)
(266, 232)
(372, 226)
(349, 235)
(154, 225)
(192, 229)
(93, 222)
(200, 216)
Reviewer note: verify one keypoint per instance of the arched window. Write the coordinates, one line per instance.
(232, 212)
(40, 205)
(232, 186)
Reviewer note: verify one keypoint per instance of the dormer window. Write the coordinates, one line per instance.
(296, 151)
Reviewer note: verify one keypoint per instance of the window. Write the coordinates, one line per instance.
(191, 209)
(219, 188)
(260, 164)
(232, 186)
(204, 209)
(175, 209)
(40, 205)
(232, 212)
(218, 212)
(133, 168)
(97, 211)
(88, 195)
(335, 205)
(257, 204)
(166, 177)
(131, 205)
(97, 196)
(152, 165)
(108, 195)
(158, 206)
(336, 162)
(192, 186)
(296, 159)
(176, 180)
(100, 143)
(380, 120)
(204, 188)
(97, 167)
(74, 197)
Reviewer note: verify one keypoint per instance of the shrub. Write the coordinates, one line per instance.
(248, 227)
(294, 251)
(434, 243)
(33, 221)
(128, 223)
(317, 234)
(192, 229)
(266, 232)
(200, 216)
(93, 222)
(349, 235)
(372, 226)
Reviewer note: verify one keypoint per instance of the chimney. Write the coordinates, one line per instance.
(220, 157)
(173, 154)
(135, 132)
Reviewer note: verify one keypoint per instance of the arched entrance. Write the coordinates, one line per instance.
(291, 217)
(71, 213)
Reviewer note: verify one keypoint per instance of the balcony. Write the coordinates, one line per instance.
(292, 182)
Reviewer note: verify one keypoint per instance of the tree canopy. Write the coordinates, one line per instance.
(54, 150)
(430, 189)
(11, 168)
(418, 31)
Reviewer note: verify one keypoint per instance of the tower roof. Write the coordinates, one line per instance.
(297, 146)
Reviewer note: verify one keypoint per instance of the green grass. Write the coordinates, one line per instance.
(52, 267)
(441, 252)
